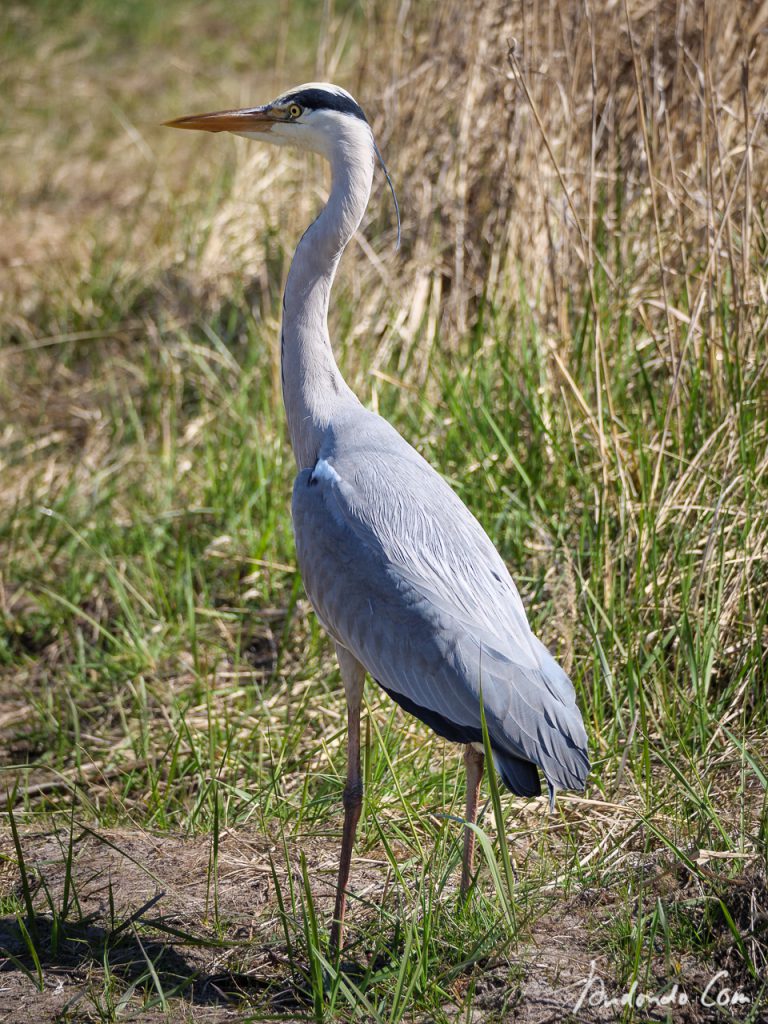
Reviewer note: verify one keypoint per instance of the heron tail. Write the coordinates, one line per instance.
(520, 777)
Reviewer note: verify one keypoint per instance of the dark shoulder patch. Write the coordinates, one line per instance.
(321, 99)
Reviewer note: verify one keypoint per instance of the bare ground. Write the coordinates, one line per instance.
(220, 954)
(123, 877)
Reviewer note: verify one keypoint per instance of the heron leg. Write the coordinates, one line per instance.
(473, 761)
(353, 677)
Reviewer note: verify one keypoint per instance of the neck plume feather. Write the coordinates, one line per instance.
(313, 388)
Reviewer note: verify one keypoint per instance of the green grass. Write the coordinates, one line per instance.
(162, 674)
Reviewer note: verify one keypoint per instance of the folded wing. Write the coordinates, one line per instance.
(402, 575)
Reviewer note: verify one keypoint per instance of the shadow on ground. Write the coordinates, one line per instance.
(81, 951)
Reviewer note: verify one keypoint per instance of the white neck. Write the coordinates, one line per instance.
(313, 388)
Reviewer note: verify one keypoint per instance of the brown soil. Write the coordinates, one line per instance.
(220, 955)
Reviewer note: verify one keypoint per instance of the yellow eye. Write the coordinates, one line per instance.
(294, 111)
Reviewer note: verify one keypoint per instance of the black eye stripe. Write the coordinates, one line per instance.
(319, 99)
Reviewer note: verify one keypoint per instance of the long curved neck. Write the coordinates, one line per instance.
(313, 389)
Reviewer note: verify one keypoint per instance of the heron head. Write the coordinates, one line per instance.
(317, 116)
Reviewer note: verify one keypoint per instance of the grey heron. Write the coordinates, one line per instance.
(400, 573)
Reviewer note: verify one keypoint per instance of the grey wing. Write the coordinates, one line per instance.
(402, 575)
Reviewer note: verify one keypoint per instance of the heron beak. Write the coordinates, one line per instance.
(251, 119)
